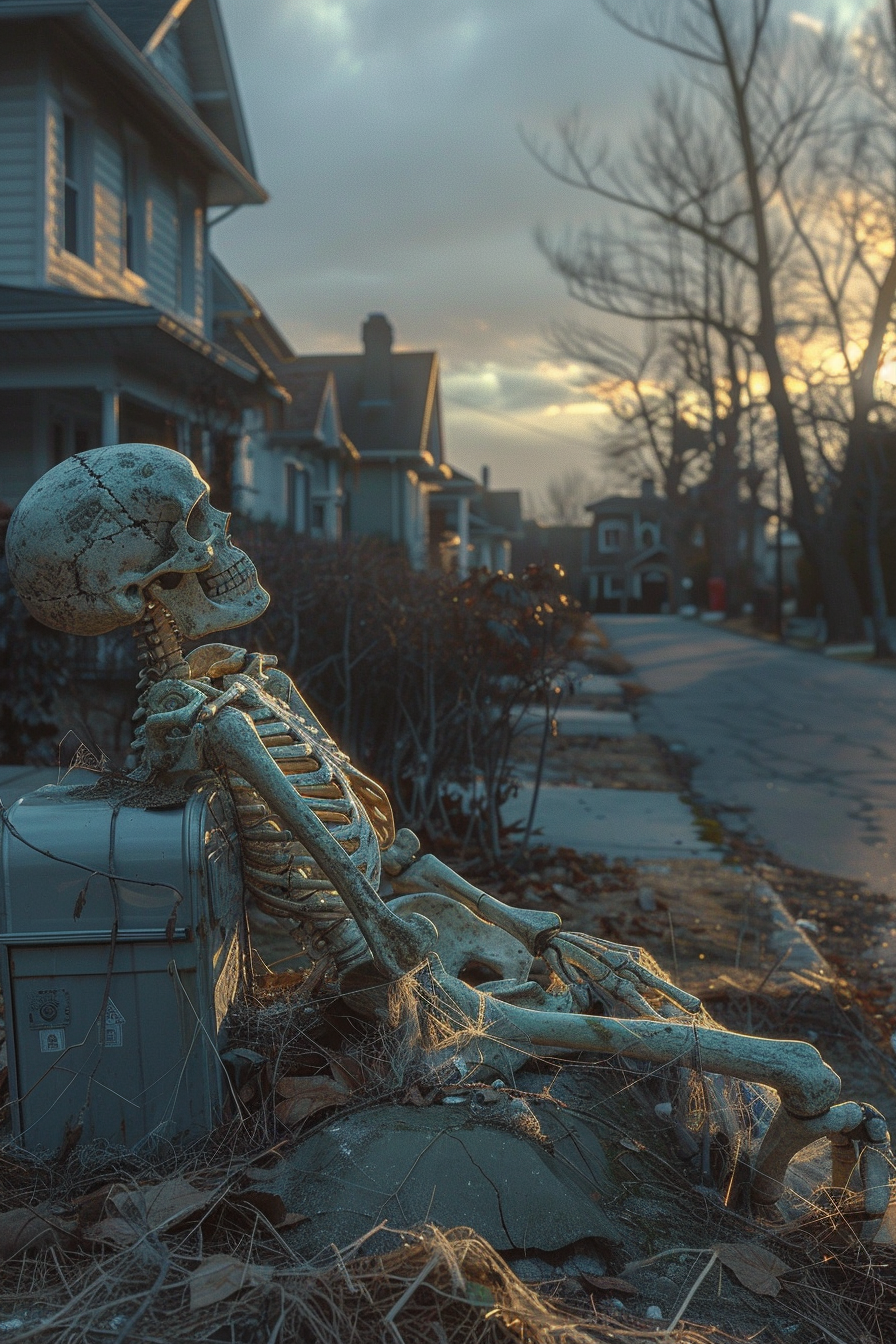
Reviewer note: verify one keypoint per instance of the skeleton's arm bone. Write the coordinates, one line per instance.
(806, 1085)
(531, 927)
(397, 945)
(610, 964)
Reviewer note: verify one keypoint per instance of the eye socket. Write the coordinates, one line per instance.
(197, 522)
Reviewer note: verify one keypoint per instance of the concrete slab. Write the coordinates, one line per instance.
(596, 683)
(583, 722)
(618, 823)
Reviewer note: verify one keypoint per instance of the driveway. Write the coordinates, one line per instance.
(804, 745)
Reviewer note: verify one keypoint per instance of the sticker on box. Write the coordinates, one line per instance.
(111, 1033)
(52, 1040)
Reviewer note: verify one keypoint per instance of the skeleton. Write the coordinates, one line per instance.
(127, 535)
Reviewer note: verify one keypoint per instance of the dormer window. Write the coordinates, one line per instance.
(610, 536)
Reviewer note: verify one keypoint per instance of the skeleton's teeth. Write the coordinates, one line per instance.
(239, 578)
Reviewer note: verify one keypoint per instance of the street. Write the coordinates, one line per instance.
(804, 745)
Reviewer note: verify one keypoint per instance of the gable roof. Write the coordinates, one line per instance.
(212, 120)
(414, 402)
(138, 19)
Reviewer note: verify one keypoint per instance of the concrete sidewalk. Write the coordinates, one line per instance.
(628, 824)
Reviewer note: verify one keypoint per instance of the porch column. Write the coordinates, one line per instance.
(110, 416)
(463, 532)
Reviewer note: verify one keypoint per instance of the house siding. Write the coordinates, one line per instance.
(19, 146)
(103, 272)
(168, 58)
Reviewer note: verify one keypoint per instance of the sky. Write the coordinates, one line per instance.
(390, 136)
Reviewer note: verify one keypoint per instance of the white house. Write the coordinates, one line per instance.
(120, 132)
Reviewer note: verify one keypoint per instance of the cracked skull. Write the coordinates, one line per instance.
(106, 530)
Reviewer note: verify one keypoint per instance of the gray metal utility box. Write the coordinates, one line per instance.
(117, 1036)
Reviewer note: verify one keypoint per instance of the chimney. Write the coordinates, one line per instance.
(377, 335)
(486, 477)
(648, 489)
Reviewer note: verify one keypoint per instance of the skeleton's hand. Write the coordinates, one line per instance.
(615, 969)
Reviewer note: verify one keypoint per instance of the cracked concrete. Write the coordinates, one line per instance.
(802, 749)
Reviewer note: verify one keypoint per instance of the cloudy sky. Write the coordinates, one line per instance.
(388, 135)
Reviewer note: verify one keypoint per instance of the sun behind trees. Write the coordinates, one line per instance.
(744, 274)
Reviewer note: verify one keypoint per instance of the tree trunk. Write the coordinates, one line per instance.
(875, 568)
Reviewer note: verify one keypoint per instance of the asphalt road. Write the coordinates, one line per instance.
(803, 746)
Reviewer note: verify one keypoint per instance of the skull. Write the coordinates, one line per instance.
(105, 530)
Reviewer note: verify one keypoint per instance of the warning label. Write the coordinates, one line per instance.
(111, 1028)
(52, 1041)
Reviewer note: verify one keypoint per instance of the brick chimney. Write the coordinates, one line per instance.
(377, 335)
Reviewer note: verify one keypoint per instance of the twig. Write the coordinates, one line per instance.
(691, 1291)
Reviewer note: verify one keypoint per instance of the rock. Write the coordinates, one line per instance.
(654, 1313)
(406, 1165)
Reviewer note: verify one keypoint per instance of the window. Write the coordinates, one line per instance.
(135, 177)
(186, 268)
(71, 211)
(296, 498)
(614, 585)
(610, 536)
(317, 520)
(649, 536)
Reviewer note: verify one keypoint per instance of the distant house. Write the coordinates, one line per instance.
(390, 408)
(120, 128)
(289, 467)
(473, 526)
(627, 567)
(565, 545)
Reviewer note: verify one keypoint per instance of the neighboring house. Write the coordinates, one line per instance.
(473, 526)
(390, 410)
(496, 522)
(627, 568)
(290, 467)
(564, 544)
(120, 127)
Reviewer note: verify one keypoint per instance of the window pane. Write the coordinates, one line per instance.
(70, 240)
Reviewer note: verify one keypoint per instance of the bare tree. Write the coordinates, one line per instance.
(564, 500)
(767, 166)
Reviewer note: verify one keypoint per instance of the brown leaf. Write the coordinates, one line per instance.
(305, 1096)
(164, 1205)
(753, 1266)
(23, 1229)
(113, 1232)
(632, 1145)
(220, 1276)
(606, 1285)
(347, 1071)
(269, 1205)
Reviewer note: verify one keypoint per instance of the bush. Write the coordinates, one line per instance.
(421, 678)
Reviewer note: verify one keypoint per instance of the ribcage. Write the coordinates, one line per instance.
(280, 874)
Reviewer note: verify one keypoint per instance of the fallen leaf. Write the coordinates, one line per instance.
(220, 1276)
(164, 1205)
(347, 1071)
(606, 1285)
(270, 1205)
(753, 1266)
(631, 1145)
(23, 1229)
(305, 1096)
(112, 1232)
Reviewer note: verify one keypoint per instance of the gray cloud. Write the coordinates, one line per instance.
(387, 134)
